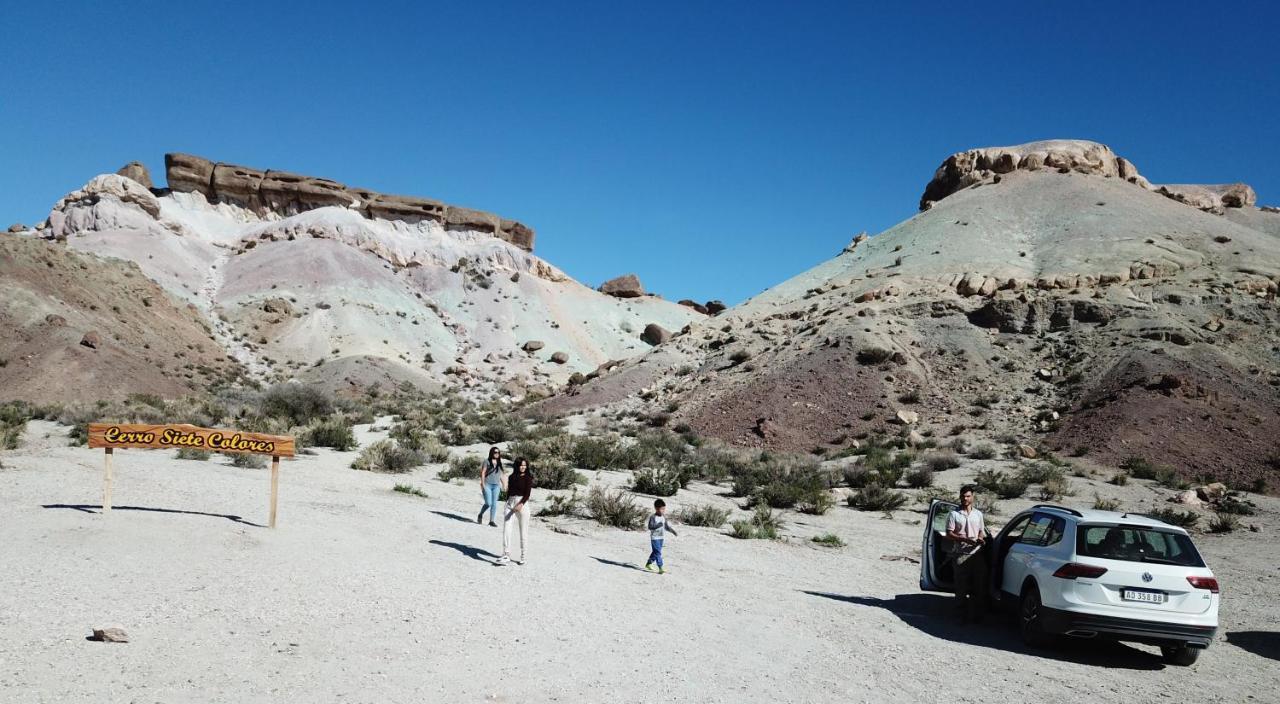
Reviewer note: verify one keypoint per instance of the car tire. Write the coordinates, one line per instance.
(1029, 622)
(1181, 654)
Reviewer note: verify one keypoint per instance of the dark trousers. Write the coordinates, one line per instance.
(971, 584)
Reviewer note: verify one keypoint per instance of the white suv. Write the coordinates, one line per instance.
(1090, 574)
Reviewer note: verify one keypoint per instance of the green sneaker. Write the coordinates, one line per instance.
(661, 571)
(649, 567)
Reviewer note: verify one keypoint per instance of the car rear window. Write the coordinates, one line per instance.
(1137, 544)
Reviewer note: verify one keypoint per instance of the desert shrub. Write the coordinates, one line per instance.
(1224, 523)
(467, 467)
(739, 356)
(501, 428)
(912, 396)
(764, 524)
(192, 453)
(1120, 479)
(1039, 473)
(411, 490)
(920, 478)
(13, 421)
(657, 448)
(982, 452)
(656, 482)
(1139, 468)
(1101, 504)
(877, 498)
(562, 505)
(331, 431)
(713, 464)
(930, 493)
(595, 452)
(555, 473)
(1174, 517)
(558, 445)
(830, 540)
(816, 503)
(247, 461)
(1169, 478)
(705, 515)
(1054, 489)
(1231, 504)
(1001, 484)
(298, 403)
(614, 507)
(942, 461)
(986, 503)
(781, 481)
(432, 450)
(857, 477)
(388, 457)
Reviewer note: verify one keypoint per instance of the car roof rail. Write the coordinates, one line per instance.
(1071, 511)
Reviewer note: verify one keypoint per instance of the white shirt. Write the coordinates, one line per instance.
(970, 524)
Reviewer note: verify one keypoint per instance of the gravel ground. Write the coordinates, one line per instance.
(363, 594)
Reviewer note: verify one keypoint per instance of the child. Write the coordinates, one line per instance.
(658, 526)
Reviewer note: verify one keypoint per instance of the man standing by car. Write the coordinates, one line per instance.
(967, 531)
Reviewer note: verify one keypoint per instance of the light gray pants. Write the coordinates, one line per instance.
(511, 515)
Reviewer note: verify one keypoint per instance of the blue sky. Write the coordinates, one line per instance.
(713, 148)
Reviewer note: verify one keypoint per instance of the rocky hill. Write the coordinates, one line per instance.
(302, 277)
(1047, 295)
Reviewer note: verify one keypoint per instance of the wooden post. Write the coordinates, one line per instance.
(106, 484)
(275, 482)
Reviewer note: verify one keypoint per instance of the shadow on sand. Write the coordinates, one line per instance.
(615, 563)
(935, 615)
(455, 517)
(97, 508)
(1263, 643)
(471, 552)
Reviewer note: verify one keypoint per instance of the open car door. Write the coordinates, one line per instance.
(937, 574)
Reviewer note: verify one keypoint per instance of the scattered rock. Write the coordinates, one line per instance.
(714, 307)
(91, 340)
(914, 438)
(55, 320)
(1027, 452)
(532, 346)
(655, 334)
(113, 634)
(277, 305)
(625, 286)
(906, 417)
(1187, 498)
(17, 227)
(694, 305)
(560, 357)
(1211, 492)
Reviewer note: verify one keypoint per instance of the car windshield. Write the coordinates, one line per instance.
(1137, 544)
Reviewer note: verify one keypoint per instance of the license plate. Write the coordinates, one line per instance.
(1142, 595)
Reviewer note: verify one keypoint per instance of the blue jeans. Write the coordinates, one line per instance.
(490, 492)
(655, 555)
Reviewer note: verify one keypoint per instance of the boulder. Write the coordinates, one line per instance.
(1027, 452)
(55, 320)
(277, 305)
(237, 185)
(110, 186)
(1188, 498)
(17, 227)
(625, 286)
(516, 233)
(1214, 198)
(560, 357)
(136, 171)
(906, 417)
(655, 334)
(714, 307)
(469, 219)
(915, 439)
(91, 339)
(1211, 492)
(186, 173)
(404, 208)
(532, 346)
(694, 305)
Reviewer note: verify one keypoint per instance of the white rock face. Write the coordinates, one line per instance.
(416, 294)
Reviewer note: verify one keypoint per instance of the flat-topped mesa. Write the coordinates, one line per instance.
(964, 169)
(985, 165)
(288, 193)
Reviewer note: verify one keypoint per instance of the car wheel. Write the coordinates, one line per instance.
(1180, 654)
(1029, 621)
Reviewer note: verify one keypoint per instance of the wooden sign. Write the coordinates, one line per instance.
(180, 436)
(110, 436)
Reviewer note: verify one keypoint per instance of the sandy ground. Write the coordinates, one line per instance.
(366, 595)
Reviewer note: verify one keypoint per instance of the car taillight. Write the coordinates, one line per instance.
(1204, 583)
(1071, 570)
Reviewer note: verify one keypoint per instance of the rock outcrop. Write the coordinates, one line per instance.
(137, 171)
(987, 165)
(115, 186)
(287, 193)
(967, 168)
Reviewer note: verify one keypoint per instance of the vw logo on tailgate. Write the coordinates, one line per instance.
(1146, 577)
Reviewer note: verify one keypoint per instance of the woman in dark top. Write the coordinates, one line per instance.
(519, 487)
(492, 481)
